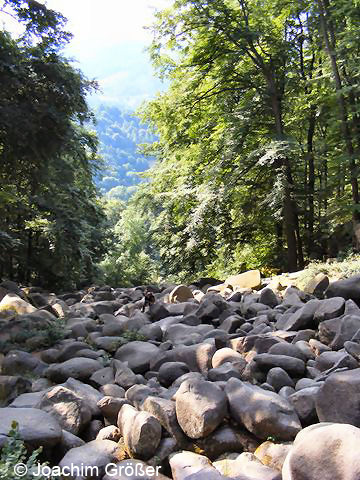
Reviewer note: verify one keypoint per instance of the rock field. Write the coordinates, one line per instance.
(243, 380)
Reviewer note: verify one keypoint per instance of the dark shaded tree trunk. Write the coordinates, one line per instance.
(311, 179)
(291, 223)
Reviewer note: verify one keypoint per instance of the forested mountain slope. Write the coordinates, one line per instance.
(119, 134)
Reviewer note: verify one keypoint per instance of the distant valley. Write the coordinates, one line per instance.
(119, 134)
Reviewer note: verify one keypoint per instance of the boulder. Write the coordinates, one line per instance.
(70, 350)
(324, 451)
(268, 297)
(303, 318)
(181, 293)
(109, 433)
(225, 371)
(250, 279)
(347, 327)
(137, 394)
(317, 285)
(36, 428)
(338, 399)
(349, 288)
(329, 308)
(288, 349)
(179, 334)
(278, 378)
(97, 454)
(293, 366)
(304, 403)
(68, 442)
(11, 386)
(170, 371)
(191, 466)
(196, 357)
(327, 360)
(200, 407)
(138, 355)
(112, 390)
(225, 355)
(110, 407)
(78, 368)
(262, 412)
(14, 304)
(141, 432)
(104, 376)
(70, 411)
(227, 439)
(27, 400)
(124, 376)
(165, 412)
(19, 362)
(86, 392)
(273, 454)
(246, 467)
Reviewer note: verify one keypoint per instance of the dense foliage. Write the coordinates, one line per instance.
(259, 133)
(256, 142)
(51, 223)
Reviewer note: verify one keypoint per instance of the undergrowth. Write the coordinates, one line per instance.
(334, 269)
(14, 453)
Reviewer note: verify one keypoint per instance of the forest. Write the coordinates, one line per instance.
(119, 132)
(256, 145)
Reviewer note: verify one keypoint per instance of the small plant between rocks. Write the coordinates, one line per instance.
(35, 338)
(14, 455)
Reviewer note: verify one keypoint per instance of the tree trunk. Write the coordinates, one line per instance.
(330, 45)
(294, 249)
(311, 179)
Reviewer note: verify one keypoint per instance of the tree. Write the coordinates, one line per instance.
(249, 119)
(48, 157)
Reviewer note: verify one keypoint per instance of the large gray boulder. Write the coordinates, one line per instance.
(170, 371)
(11, 386)
(304, 403)
(262, 412)
(179, 334)
(123, 375)
(293, 366)
(86, 392)
(36, 428)
(349, 288)
(165, 411)
(325, 451)
(72, 413)
(338, 399)
(200, 407)
(329, 308)
(97, 454)
(303, 317)
(19, 362)
(78, 368)
(196, 357)
(141, 432)
(138, 355)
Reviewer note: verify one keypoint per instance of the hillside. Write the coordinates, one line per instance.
(120, 133)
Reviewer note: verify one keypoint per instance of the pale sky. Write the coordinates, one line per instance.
(109, 42)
